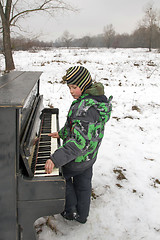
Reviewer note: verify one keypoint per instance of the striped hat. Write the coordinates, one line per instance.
(79, 76)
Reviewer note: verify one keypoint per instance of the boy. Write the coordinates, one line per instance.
(82, 135)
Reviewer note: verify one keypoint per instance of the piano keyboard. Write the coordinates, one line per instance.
(47, 145)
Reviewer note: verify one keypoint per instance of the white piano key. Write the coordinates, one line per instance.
(44, 152)
(53, 123)
(53, 129)
(41, 173)
(46, 156)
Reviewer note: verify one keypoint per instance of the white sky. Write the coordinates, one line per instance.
(124, 15)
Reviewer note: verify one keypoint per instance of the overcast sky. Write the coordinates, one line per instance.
(92, 17)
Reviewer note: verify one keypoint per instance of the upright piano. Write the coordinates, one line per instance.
(26, 191)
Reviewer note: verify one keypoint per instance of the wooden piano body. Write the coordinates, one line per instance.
(24, 195)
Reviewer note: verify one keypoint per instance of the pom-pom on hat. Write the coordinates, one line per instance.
(80, 76)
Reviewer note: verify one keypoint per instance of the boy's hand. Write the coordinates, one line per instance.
(49, 166)
(54, 135)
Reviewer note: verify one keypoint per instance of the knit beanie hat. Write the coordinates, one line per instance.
(79, 76)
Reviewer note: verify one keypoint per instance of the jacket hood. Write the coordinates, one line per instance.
(101, 103)
(97, 89)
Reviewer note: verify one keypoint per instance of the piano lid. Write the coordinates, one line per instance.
(32, 129)
(16, 86)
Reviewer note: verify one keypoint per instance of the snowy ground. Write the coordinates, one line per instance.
(126, 184)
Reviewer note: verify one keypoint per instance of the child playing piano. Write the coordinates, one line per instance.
(82, 135)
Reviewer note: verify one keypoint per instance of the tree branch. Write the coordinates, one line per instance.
(1, 11)
(13, 8)
(47, 5)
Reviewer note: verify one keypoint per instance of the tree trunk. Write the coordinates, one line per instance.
(9, 63)
(150, 39)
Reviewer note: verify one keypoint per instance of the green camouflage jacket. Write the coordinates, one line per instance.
(84, 129)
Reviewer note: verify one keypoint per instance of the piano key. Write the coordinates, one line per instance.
(44, 149)
(40, 164)
(41, 154)
(40, 159)
(45, 138)
(40, 171)
(43, 161)
(40, 168)
(43, 173)
(47, 145)
(45, 131)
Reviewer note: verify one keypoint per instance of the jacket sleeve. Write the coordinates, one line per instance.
(64, 131)
(81, 135)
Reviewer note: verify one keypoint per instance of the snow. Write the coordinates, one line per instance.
(126, 184)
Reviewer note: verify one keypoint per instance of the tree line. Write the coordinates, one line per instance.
(140, 38)
(21, 43)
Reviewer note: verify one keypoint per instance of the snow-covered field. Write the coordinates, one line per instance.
(126, 183)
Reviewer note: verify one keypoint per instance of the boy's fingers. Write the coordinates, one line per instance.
(49, 166)
(50, 134)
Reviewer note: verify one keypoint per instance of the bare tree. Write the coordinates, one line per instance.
(86, 41)
(150, 22)
(109, 34)
(12, 10)
(67, 39)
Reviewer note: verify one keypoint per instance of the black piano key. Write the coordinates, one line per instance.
(45, 138)
(39, 173)
(46, 143)
(46, 130)
(46, 122)
(44, 149)
(42, 160)
(40, 167)
(44, 154)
